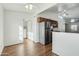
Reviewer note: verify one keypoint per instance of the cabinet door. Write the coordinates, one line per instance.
(42, 32)
(46, 37)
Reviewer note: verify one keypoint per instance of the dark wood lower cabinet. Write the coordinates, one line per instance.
(48, 37)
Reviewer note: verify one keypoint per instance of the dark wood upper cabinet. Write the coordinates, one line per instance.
(52, 22)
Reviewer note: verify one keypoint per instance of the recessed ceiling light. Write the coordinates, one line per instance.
(26, 6)
(72, 20)
(29, 7)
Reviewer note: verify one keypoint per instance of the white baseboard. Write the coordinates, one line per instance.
(1, 50)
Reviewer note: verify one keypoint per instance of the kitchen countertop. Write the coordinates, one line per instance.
(65, 32)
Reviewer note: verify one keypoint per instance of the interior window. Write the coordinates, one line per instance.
(74, 27)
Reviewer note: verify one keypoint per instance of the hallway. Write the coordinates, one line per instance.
(29, 48)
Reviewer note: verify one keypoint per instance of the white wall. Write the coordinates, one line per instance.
(13, 27)
(42, 33)
(30, 29)
(35, 29)
(1, 29)
(65, 44)
(32, 26)
(25, 33)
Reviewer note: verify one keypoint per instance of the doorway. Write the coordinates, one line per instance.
(25, 30)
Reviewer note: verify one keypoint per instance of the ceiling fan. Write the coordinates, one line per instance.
(63, 8)
(62, 11)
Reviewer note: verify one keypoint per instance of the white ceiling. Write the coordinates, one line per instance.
(20, 7)
(40, 7)
(64, 6)
(71, 8)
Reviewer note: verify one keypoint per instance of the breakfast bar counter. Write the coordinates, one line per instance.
(65, 44)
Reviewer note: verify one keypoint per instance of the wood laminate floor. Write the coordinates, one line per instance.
(28, 48)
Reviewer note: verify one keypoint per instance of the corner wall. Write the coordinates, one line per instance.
(1, 29)
(13, 27)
